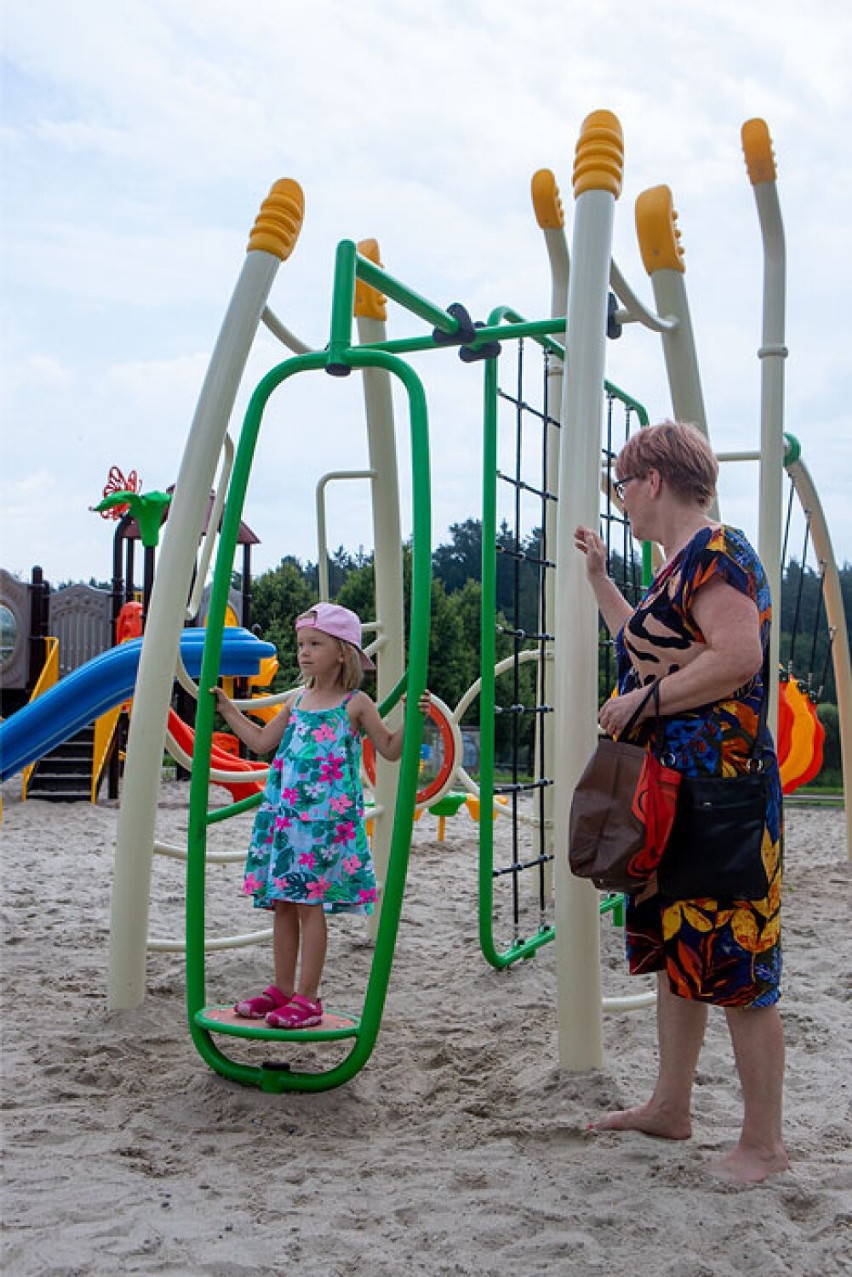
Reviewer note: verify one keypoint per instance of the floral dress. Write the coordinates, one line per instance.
(308, 844)
(722, 952)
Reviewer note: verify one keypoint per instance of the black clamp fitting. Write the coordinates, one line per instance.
(613, 327)
(465, 332)
(465, 336)
(488, 350)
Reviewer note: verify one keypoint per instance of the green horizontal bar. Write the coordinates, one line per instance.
(379, 279)
(233, 809)
(521, 327)
(628, 401)
(492, 332)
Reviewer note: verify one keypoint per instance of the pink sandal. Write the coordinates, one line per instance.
(256, 1008)
(299, 1013)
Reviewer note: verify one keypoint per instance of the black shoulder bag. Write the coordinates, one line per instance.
(715, 848)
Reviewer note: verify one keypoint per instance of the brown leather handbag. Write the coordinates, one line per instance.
(623, 810)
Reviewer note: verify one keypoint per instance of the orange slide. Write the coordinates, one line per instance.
(221, 759)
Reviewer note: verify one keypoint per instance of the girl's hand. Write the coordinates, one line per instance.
(424, 701)
(590, 544)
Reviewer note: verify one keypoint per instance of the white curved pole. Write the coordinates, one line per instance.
(369, 311)
(322, 528)
(275, 232)
(211, 536)
(284, 334)
(772, 354)
(597, 182)
(836, 619)
(635, 311)
(549, 214)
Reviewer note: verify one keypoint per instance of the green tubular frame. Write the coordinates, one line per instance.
(364, 1030)
(339, 358)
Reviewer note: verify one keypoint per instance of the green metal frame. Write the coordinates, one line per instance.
(271, 1076)
(339, 358)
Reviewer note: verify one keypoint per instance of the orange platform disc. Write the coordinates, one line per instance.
(224, 1019)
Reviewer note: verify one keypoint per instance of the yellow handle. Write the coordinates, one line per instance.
(656, 227)
(280, 220)
(546, 201)
(599, 159)
(757, 146)
(369, 302)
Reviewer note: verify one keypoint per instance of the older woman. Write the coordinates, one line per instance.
(702, 627)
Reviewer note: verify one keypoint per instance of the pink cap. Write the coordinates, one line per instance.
(339, 622)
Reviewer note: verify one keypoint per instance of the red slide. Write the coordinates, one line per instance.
(220, 760)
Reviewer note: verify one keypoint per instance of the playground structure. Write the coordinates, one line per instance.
(589, 296)
(52, 634)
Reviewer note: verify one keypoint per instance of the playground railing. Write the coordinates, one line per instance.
(48, 678)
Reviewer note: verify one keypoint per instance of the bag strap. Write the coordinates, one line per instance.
(653, 690)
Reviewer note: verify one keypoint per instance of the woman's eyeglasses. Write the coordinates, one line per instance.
(620, 484)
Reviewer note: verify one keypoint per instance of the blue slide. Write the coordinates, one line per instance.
(93, 688)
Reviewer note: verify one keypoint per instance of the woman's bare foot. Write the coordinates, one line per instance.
(750, 1166)
(650, 1120)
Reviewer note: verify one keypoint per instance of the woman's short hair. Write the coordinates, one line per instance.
(680, 452)
(351, 671)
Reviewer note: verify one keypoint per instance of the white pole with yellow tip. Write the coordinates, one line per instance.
(760, 164)
(272, 240)
(598, 172)
(370, 313)
(550, 216)
(662, 257)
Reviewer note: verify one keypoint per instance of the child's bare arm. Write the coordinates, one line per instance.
(387, 743)
(260, 740)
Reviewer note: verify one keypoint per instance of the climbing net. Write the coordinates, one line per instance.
(519, 581)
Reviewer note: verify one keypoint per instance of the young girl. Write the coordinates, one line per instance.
(309, 853)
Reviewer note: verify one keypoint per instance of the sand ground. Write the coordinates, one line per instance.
(461, 1148)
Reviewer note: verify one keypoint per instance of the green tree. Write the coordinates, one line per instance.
(460, 560)
(805, 642)
(358, 591)
(830, 772)
(278, 596)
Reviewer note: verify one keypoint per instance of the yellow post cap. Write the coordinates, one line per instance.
(757, 146)
(656, 227)
(599, 159)
(280, 219)
(369, 302)
(546, 201)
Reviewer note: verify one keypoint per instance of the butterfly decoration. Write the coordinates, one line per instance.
(116, 482)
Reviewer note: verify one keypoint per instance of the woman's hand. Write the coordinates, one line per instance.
(590, 544)
(616, 713)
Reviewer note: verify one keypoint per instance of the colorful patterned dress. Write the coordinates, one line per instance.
(727, 953)
(308, 844)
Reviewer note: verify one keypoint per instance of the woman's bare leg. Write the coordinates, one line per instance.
(757, 1035)
(680, 1032)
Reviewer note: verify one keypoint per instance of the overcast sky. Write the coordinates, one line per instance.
(140, 138)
